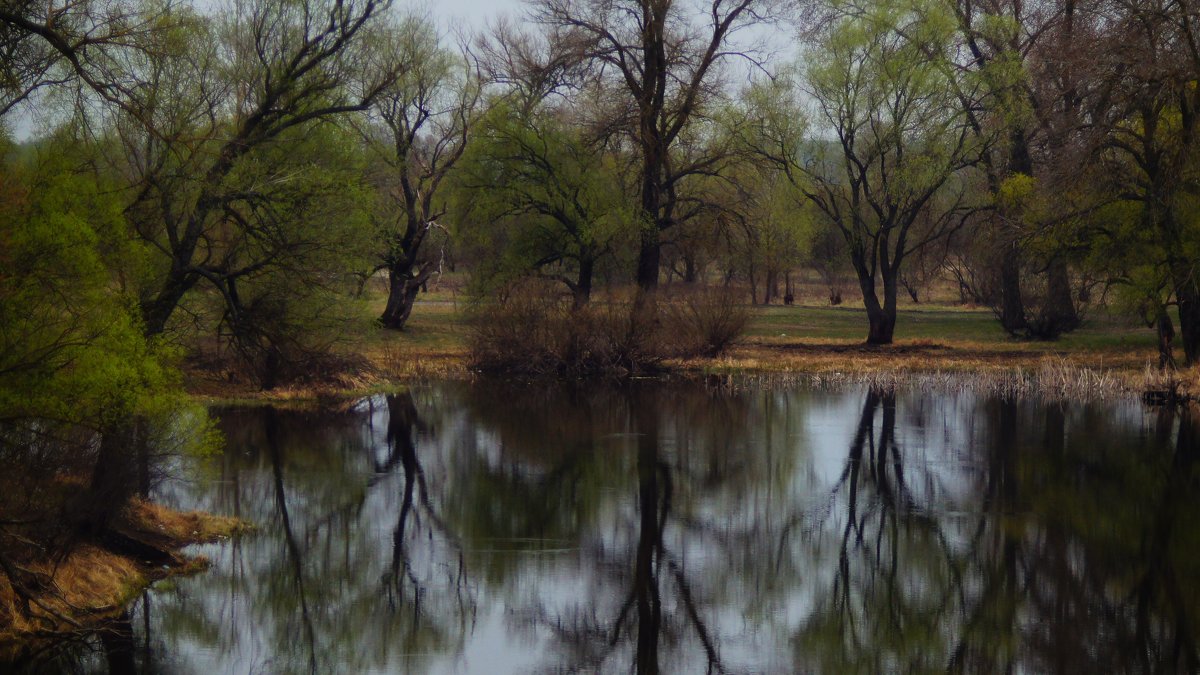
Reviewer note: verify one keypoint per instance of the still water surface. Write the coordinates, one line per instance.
(482, 528)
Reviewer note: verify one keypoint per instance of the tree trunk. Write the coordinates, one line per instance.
(882, 327)
(689, 270)
(402, 294)
(142, 442)
(1188, 297)
(113, 480)
(881, 318)
(157, 311)
(649, 257)
(1060, 305)
(1012, 307)
(582, 290)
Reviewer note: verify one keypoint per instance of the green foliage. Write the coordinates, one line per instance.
(534, 194)
(305, 228)
(883, 83)
(69, 347)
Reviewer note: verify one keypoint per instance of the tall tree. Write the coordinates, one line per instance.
(63, 42)
(1148, 114)
(885, 160)
(1031, 60)
(662, 58)
(418, 128)
(552, 201)
(228, 88)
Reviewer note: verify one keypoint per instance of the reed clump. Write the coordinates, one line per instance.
(1054, 379)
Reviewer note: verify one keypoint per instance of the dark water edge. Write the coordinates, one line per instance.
(672, 527)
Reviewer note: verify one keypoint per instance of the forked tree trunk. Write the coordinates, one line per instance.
(402, 294)
(882, 325)
(881, 317)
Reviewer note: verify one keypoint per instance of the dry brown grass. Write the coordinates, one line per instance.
(826, 356)
(90, 584)
(86, 587)
(378, 365)
(401, 362)
(817, 341)
(182, 527)
(397, 362)
(946, 370)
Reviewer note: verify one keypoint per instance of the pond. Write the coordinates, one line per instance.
(669, 527)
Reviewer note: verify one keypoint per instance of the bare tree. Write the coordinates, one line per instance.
(418, 128)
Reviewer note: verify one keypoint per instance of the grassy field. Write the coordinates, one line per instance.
(808, 338)
(825, 339)
(817, 338)
(943, 324)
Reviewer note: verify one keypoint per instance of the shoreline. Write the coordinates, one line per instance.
(95, 581)
(1017, 368)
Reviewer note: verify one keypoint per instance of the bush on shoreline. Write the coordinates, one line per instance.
(532, 331)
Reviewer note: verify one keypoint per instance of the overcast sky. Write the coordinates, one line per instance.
(453, 15)
(475, 12)
(471, 15)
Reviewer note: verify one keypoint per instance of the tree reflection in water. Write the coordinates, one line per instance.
(674, 528)
(402, 584)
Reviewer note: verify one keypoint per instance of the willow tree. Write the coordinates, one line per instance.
(659, 58)
(552, 201)
(223, 94)
(1035, 62)
(417, 129)
(50, 43)
(1147, 111)
(885, 152)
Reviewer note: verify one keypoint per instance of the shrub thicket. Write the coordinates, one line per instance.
(533, 331)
